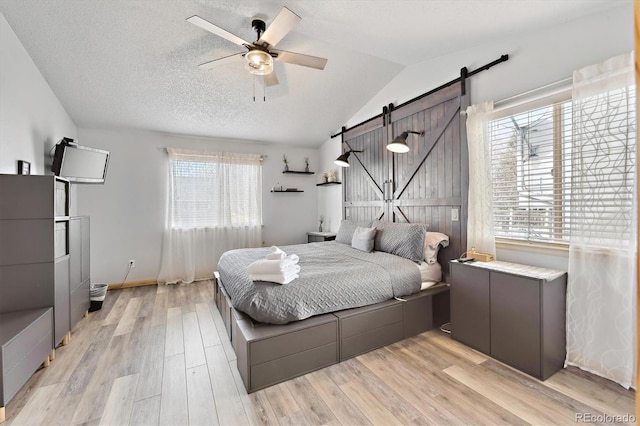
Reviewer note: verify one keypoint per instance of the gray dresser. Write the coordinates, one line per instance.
(515, 313)
(44, 274)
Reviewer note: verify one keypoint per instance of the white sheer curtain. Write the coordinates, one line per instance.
(214, 205)
(480, 231)
(601, 293)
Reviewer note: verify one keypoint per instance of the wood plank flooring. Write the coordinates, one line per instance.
(160, 355)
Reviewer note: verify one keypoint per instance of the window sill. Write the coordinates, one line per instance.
(533, 247)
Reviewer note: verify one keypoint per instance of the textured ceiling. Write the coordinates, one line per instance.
(133, 63)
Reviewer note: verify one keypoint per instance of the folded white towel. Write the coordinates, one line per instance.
(275, 254)
(276, 267)
(275, 278)
(268, 266)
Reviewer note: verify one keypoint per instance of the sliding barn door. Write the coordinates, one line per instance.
(363, 181)
(429, 184)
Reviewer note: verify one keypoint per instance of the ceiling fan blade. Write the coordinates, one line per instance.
(280, 27)
(300, 59)
(271, 79)
(214, 29)
(219, 61)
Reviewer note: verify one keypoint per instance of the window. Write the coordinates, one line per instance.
(215, 190)
(545, 160)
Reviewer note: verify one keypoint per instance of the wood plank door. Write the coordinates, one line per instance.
(430, 182)
(364, 180)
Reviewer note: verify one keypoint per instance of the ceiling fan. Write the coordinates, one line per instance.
(261, 53)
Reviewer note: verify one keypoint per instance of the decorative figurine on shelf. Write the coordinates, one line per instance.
(286, 163)
(332, 175)
(325, 178)
(306, 164)
(321, 222)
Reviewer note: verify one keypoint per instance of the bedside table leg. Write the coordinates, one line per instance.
(1, 414)
(66, 339)
(46, 362)
(52, 355)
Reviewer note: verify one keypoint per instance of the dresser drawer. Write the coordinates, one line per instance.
(26, 338)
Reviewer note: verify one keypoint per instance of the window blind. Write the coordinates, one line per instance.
(528, 171)
(562, 164)
(216, 190)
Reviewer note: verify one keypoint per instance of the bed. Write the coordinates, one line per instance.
(346, 302)
(330, 280)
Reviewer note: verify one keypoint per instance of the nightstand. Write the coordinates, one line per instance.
(318, 237)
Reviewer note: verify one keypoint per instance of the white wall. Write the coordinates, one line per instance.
(32, 119)
(128, 211)
(330, 196)
(536, 59)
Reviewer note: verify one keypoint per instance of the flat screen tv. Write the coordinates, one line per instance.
(80, 164)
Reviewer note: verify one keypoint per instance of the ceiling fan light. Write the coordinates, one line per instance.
(259, 62)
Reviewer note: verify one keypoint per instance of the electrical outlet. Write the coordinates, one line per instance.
(455, 215)
(132, 263)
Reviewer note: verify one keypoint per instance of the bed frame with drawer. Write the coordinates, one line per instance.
(268, 354)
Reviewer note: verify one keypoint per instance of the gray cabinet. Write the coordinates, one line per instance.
(470, 307)
(515, 313)
(25, 342)
(44, 273)
(61, 299)
(34, 230)
(79, 283)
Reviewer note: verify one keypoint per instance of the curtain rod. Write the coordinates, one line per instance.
(559, 83)
(463, 71)
(262, 156)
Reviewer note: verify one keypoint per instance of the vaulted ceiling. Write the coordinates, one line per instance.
(134, 63)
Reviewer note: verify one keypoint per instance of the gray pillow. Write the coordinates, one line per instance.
(347, 227)
(402, 239)
(363, 239)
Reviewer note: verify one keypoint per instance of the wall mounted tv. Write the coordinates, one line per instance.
(80, 164)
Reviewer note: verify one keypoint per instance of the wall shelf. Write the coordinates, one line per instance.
(298, 172)
(328, 183)
(297, 190)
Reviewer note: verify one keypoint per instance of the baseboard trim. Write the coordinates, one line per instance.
(118, 286)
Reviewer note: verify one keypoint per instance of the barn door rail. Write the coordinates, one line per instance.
(464, 74)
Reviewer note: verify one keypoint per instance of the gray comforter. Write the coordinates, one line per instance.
(333, 277)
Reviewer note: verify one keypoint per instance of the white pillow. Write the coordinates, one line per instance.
(363, 239)
(432, 243)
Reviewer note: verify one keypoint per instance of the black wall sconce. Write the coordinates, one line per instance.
(343, 160)
(399, 144)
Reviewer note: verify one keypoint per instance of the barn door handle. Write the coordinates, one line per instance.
(387, 190)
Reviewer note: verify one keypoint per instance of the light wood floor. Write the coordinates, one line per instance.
(159, 355)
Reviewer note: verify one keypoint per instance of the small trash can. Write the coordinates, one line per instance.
(97, 293)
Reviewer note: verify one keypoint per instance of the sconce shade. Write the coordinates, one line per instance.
(399, 144)
(343, 160)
